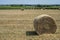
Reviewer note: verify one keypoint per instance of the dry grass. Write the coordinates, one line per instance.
(15, 23)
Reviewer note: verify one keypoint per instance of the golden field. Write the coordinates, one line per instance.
(14, 24)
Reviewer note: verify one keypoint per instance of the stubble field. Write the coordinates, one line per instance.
(16, 25)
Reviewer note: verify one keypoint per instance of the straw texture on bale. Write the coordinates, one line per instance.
(44, 24)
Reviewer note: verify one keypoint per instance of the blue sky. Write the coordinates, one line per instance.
(29, 2)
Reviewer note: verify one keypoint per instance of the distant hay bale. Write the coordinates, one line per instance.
(22, 9)
(44, 24)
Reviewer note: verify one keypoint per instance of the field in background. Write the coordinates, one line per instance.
(14, 24)
(21, 6)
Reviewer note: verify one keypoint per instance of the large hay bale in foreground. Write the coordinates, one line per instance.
(44, 24)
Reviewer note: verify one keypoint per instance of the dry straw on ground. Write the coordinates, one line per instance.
(44, 24)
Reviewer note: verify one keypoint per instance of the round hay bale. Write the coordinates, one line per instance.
(44, 24)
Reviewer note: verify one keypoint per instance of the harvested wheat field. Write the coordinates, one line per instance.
(18, 25)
